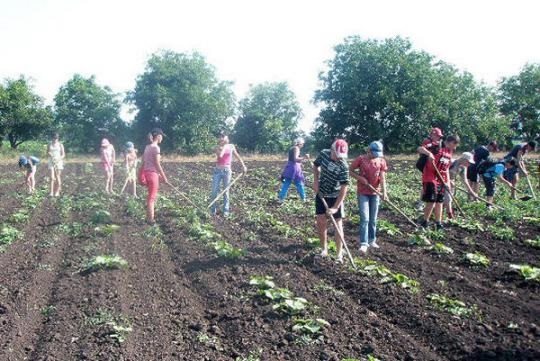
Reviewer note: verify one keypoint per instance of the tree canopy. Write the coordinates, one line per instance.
(85, 112)
(268, 118)
(182, 94)
(23, 115)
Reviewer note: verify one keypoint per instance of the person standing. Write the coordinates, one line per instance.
(57, 155)
(517, 153)
(331, 180)
(371, 178)
(435, 178)
(480, 154)
(429, 148)
(130, 162)
(459, 166)
(293, 171)
(29, 166)
(222, 172)
(152, 172)
(108, 157)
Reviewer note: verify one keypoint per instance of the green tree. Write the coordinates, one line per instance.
(181, 94)
(23, 115)
(387, 90)
(85, 112)
(268, 118)
(519, 98)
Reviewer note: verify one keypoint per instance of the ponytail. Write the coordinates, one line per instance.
(150, 138)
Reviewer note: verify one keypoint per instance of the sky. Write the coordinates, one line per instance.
(251, 41)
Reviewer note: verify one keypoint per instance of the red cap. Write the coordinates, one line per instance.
(437, 131)
(341, 148)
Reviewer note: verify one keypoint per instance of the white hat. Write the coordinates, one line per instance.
(468, 156)
(299, 140)
(105, 142)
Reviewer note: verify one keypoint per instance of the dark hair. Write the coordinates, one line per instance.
(223, 135)
(532, 144)
(452, 138)
(55, 136)
(512, 162)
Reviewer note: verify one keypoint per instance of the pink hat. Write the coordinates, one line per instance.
(105, 143)
(341, 148)
(437, 131)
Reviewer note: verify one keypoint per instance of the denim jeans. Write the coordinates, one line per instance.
(285, 188)
(221, 175)
(368, 206)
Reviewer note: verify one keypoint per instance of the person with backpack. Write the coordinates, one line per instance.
(517, 153)
(223, 172)
(152, 172)
(371, 181)
(491, 170)
(481, 153)
(436, 181)
(331, 181)
(460, 167)
(429, 148)
(57, 155)
(293, 171)
(29, 166)
(108, 157)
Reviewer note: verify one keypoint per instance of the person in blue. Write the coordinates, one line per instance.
(29, 165)
(481, 153)
(494, 172)
(292, 173)
(517, 153)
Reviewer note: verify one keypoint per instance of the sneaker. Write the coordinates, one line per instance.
(339, 258)
(363, 248)
(57, 194)
(324, 253)
(374, 245)
(424, 224)
(439, 226)
(226, 214)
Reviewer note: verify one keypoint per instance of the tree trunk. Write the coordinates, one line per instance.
(13, 141)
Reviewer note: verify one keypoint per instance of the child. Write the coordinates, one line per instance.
(494, 172)
(108, 157)
(29, 164)
(57, 155)
(435, 180)
(130, 161)
(459, 166)
(371, 179)
(293, 171)
(331, 180)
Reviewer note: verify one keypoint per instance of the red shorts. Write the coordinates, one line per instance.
(152, 183)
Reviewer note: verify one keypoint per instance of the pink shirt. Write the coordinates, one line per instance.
(370, 169)
(107, 155)
(226, 159)
(149, 157)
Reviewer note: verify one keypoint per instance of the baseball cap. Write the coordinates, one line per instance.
(341, 148)
(105, 142)
(468, 156)
(376, 148)
(437, 131)
(157, 131)
(22, 160)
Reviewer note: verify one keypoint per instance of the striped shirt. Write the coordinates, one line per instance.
(333, 174)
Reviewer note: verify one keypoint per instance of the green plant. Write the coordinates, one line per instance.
(419, 239)
(504, 233)
(106, 229)
(529, 273)
(253, 356)
(291, 306)
(47, 311)
(533, 242)
(440, 248)
(476, 259)
(453, 306)
(101, 216)
(262, 282)
(435, 234)
(403, 281)
(224, 249)
(9, 234)
(19, 217)
(120, 325)
(74, 229)
(324, 288)
(309, 329)
(388, 227)
(276, 294)
(104, 262)
(209, 340)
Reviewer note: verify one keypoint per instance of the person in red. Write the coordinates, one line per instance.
(371, 177)
(431, 145)
(152, 171)
(433, 185)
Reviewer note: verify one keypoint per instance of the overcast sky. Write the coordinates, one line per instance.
(251, 41)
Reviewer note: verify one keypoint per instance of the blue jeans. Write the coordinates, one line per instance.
(369, 208)
(221, 175)
(285, 188)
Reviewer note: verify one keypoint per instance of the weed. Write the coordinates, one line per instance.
(388, 227)
(262, 282)
(533, 242)
(225, 249)
(74, 229)
(504, 233)
(101, 217)
(440, 248)
(120, 325)
(47, 311)
(292, 306)
(529, 273)
(403, 281)
(9, 234)
(105, 262)
(21, 216)
(310, 330)
(453, 306)
(106, 230)
(419, 239)
(476, 259)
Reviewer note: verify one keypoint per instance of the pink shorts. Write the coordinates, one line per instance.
(106, 166)
(152, 183)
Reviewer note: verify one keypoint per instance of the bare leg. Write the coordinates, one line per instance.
(438, 212)
(322, 228)
(339, 231)
(428, 210)
(150, 212)
(53, 181)
(58, 182)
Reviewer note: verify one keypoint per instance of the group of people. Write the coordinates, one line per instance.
(331, 174)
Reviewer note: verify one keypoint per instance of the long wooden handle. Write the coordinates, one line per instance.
(225, 190)
(439, 175)
(393, 205)
(480, 198)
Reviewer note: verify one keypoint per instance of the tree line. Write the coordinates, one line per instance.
(371, 89)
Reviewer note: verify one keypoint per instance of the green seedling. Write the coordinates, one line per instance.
(504, 233)
(101, 217)
(476, 259)
(209, 341)
(252, 356)
(105, 262)
(47, 311)
(389, 227)
(291, 306)
(276, 294)
(21, 216)
(224, 249)
(529, 273)
(453, 306)
(440, 248)
(324, 288)
(106, 230)
(403, 281)
(74, 229)
(262, 282)
(419, 239)
(533, 242)
(120, 326)
(9, 234)
(310, 330)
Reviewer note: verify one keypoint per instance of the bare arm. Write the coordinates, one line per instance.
(426, 152)
(341, 197)
(240, 159)
(357, 176)
(316, 173)
(62, 152)
(466, 181)
(501, 178)
(157, 160)
(383, 185)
